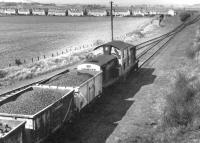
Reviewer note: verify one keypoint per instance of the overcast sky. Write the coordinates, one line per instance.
(119, 2)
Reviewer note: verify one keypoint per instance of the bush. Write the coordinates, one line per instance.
(137, 33)
(184, 16)
(3, 73)
(98, 42)
(18, 62)
(193, 51)
(181, 107)
(190, 53)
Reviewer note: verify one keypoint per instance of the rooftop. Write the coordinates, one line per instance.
(117, 44)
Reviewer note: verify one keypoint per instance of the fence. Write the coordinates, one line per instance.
(69, 51)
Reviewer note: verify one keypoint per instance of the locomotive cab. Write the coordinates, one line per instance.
(124, 52)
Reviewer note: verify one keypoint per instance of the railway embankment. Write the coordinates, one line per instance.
(166, 109)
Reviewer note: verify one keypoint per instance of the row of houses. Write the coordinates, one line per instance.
(77, 12)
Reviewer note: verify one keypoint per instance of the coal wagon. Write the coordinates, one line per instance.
(43, 109)
(87, 85)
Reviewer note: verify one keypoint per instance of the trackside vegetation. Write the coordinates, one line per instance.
(184, 16)
(181, 116)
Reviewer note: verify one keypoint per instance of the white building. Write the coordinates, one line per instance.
(23, 11)
(10, 11)
(38, 11)
(162, 11)
(2, 11)
(97, 12)
(122, 12)
(138, 13)
(75, 12)
(171, 12)
(56, 12)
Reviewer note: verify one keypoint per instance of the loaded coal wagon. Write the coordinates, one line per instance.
(44, 109)
(12, 131)
(87, 85)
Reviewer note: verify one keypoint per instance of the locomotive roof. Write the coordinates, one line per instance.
(117, 44)
(101, 59)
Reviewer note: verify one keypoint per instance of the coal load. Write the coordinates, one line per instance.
(4, 128)
(32, 101)
(72, 79)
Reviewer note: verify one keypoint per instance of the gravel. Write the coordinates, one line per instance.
(32, 101)
(72, 78)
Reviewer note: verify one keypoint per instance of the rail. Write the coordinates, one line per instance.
(167, 35)
(153, 44)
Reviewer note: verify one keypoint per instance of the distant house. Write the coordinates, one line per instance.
(23, 11)
(2, 11)
(153, 12)
(38, 11)
(56, 12)
(122, 12)
(51, 12)
(97, 12)
(75, 12)
(109, 12)
(138, 12)
(10, 11)
(171, 12)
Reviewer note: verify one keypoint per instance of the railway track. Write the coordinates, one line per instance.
(153, 46)
(150, 48)
(174, 31)
(6, 95)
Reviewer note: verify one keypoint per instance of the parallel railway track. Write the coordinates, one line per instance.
(150, 47)
(153, 46)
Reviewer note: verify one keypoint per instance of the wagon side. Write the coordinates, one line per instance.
(47, 121)
(88, 91)
(16, 135)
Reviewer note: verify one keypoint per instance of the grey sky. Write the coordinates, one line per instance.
(119, 2)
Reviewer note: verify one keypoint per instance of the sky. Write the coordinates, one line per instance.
(117, 2)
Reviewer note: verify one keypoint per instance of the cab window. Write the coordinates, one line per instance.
(98, 51)
(116, 52)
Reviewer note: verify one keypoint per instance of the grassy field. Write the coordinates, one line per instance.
(27, 37)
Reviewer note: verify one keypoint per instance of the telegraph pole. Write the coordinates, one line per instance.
(111, 14)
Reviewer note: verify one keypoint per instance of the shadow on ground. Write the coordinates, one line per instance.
(100, 119)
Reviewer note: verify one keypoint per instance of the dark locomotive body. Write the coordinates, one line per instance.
(116, 59)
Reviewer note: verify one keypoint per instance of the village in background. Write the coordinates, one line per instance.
(11, 8)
